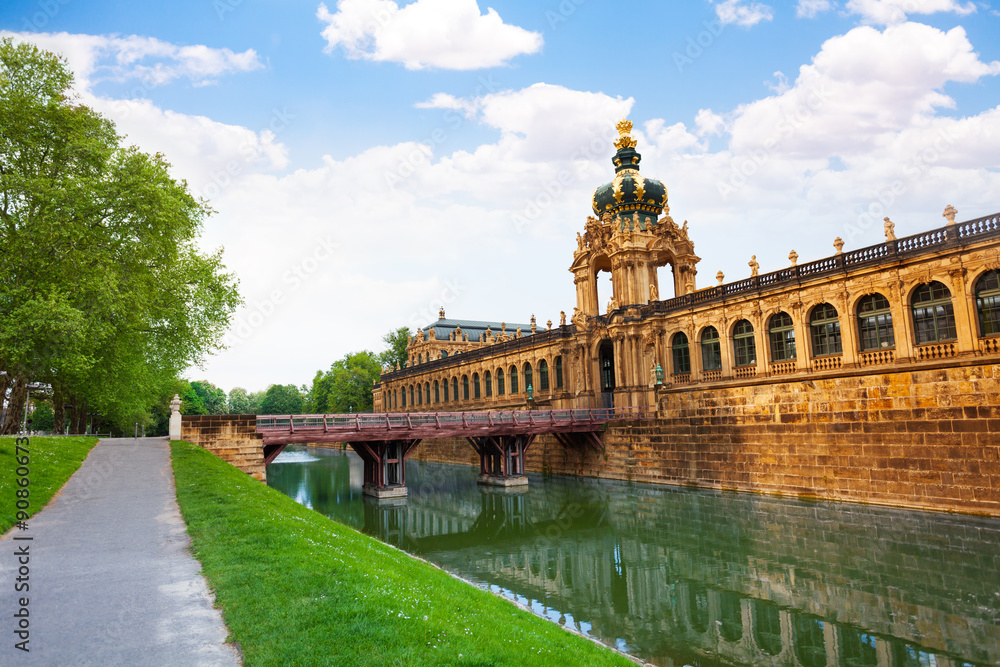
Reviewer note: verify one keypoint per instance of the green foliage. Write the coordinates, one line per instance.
(343, 598)
(212, 398)
(396, 340)
(256, 401)
(42, 418)
(347, 386)
(52, 462)
(282, 399)
(103, 292)
(238, 402)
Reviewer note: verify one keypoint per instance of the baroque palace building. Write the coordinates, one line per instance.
(926, 301)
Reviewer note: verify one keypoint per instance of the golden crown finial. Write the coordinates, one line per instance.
(625, 139)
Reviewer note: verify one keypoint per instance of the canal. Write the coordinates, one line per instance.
(681, 576)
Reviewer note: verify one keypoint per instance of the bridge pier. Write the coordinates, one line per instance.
(385, 466)
(501, 459)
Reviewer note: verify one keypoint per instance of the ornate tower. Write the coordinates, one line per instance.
(629, 239)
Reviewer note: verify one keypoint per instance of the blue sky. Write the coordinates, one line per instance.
(370, 161)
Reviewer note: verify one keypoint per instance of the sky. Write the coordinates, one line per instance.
(370, 161)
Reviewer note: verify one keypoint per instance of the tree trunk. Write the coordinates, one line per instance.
(59, 409)
(15, 407)
(78, 419)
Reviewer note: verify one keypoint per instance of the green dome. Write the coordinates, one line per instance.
(629, 191)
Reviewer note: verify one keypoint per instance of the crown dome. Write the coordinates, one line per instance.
(629, 191)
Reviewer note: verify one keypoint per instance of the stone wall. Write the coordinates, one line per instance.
(233, 438)
(925, 439)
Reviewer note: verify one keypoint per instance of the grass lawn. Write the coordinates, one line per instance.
(52, 462)
(296, 588)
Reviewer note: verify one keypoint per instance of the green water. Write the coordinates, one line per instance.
(679, 576)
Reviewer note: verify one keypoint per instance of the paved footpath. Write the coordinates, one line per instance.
(112, 579)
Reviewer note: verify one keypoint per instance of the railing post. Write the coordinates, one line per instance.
(437, 420)
(291, 423)
(464, 423)
(388, 425)
(357, 422)
(489, 417)
(326, 429)
(552, 417)
(409, 424)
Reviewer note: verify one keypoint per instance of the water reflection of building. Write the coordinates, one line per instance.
(743, 580)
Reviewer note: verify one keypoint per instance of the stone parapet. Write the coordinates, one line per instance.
(233, 438)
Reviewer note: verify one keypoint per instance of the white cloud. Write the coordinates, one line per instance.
(742, 13)
(708, 122)
(444, 34)
(810, 8)
(896, 11)
(446, 101)
(152, 61)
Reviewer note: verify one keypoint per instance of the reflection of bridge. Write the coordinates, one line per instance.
(384, 441)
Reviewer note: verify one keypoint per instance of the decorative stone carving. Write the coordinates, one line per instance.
(950, 212)
(754, 266)
(548, 325)
(721, 277)
(838, 243)
(533, 327)
(793, 257)
(654, 294)
(441, 313)
(562, 318)
(890, 229)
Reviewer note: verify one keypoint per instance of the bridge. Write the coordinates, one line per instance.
(385, 440)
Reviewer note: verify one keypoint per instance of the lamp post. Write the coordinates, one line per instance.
(27, 401)
(659, 375)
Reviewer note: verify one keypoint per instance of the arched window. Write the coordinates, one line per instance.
(781, 334)
(437, 392)
(711, 350)
(681, 353)
(465, 387)
(730, 616)
(933, 314)
(404, 396)
(743, 344)
(475, 385)
(528, 375)
(824, 328)
(988, 303)
(875, 323)
(427, 400)
(559, 372)
(500, 382)
(809, 641)
(444, 354)
(454, 388)
(513, 379)
(444, 384)
(543, 375)
(488, 381)
(420, 395)
(767, 627)
(420, 358)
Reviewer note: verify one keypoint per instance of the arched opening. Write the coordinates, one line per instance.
(744, 346)
(711, 350)
(604, 287)
(681, 354)
(781, 335)
(475, 385)
(528, 378)
(824, 330)
(767, 627)
(875, 323)
(559, 372)
(810, 644)
(465, 387)
(500, 382)
(988, 303)
(437, 392)
(606, 359)
(543, 375)
(513, 380)
(933, 314)
(488, 381)
(454, 387)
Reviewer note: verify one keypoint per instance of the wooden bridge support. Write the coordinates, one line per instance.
(501, 458)
(385, 466)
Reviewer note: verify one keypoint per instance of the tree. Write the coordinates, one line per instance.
(239, 402)
(282, 399)
(397, 340)
(256, 401)
(103, 292)
(42, 418)
(350, 382)
(213, 398)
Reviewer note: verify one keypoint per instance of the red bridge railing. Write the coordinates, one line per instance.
(411, 425)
